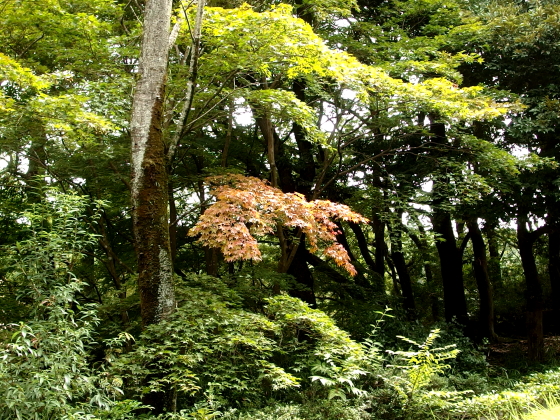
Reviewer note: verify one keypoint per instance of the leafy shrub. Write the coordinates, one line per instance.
(45, 372)
(213, 350)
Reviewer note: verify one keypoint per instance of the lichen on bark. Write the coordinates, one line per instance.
(149, 169)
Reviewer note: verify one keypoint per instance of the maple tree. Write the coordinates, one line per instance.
(247, 207)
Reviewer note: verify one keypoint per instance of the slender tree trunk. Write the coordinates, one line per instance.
(405, 281)
(455, 304)
(534, 294)
(480, 264)
(422, 245)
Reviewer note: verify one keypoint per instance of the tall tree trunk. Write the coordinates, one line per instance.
(554, 274)
(149, 169)
(451, 264)
(480, 264)
(455, 304)
(150, 181)
(534, 294)
(399, 261)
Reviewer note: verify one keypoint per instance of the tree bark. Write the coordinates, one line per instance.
(480, 265)
(149, 169)
(405, 281)
(150, 181)
(534, 294)
(455, 304)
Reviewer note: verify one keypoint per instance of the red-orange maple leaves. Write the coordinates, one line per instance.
(247, 207)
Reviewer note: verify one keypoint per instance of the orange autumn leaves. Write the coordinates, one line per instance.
(247, 208)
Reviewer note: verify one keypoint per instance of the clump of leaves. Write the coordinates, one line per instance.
(319, 350)
(247, 207)
(417, 367)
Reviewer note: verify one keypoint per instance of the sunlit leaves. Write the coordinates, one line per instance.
(247, 207)
(265, 43)
(283, 105)
(16, 81)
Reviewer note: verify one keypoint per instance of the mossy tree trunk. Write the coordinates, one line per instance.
(150, 181)
(149, 169)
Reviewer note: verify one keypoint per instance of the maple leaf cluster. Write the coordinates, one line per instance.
(247, 207)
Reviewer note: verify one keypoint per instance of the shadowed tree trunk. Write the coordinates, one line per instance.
(377, 267)
(480, 265)
(534, 293)
(399, 261)
(554, 275)
(451, 264)
(455, 305)
(359, 279)
(494, 266)
(554, 263)
(301, 272)
(422, 245)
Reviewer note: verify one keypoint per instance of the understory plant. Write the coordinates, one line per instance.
(212, 350)
(415, 368)
(45, 367)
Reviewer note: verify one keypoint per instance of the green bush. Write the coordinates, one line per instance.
(211, 349)
(45, 371)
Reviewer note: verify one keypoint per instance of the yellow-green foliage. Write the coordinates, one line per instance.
(247, 51)
(544, 414)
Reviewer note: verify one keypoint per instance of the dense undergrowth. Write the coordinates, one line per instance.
(228, 352)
